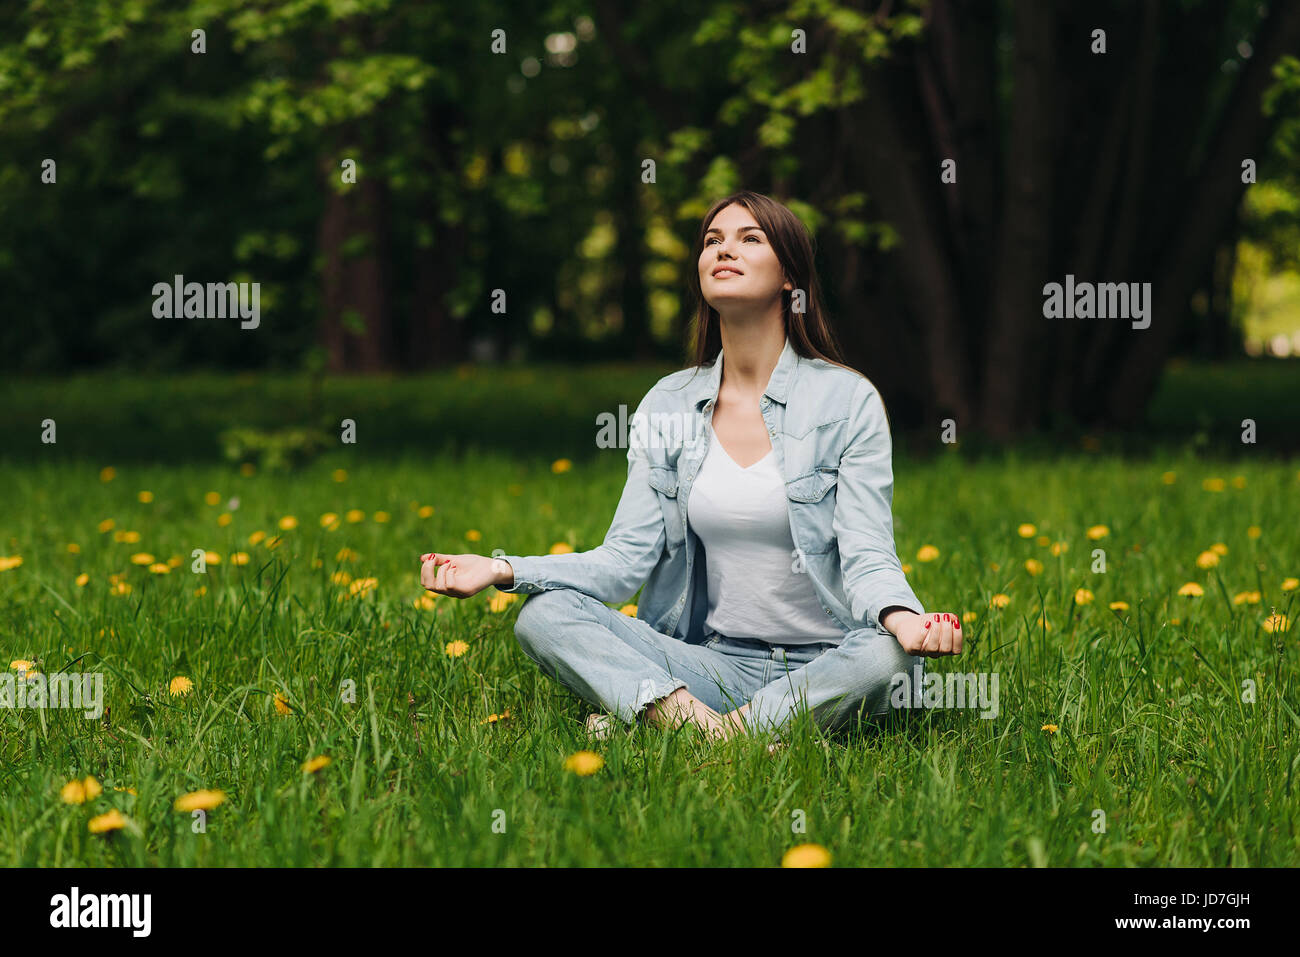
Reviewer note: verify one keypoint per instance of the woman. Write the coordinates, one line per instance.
(757, 514)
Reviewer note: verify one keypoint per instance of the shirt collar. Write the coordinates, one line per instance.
(778, 386)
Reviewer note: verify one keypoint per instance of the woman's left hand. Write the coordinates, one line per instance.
(931, 636)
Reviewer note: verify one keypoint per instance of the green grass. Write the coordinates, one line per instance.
(1152, 727)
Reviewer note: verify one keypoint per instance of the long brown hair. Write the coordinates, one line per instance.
(809, 332)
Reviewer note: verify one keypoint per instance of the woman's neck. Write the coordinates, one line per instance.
(752, 351)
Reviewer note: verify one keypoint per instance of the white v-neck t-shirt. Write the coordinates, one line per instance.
(742, 520)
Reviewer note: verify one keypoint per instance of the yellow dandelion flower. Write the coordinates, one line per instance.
(1043, 541)
(1060, 548)
(1213, 485)
(907, 568)
(1219, 548)
(968, 617)
(806, 855)
(201, 591)
(224, 519)
(1033, 566)
(380, 517)
(175, 561)
(629, 610)
(1043, 623)
(145, 496)
(288, 522)
(1290, 584)
(494, 718)
(180, 686)
(340, 475)
(82, 579)
(73, 548)
(927, 553)
(341, 578)
(74, 792)
(584, 763)
(239, 558)
(256, 537)
(120, 588)
(1169, 478)
(561, 465)
(13, 561)
(212, 498)
(1238, 481)
(1097, 531)
(106, 525)
(456, 648)
(20, 664)
(361, 587)
(999, 601)
(142, 558)
(1246, 598)
(275, 542)
(126, 536)
(160, 568)
(329, 521)
(1277, 623)
(1254, 531)
(200, 801)
(355, 515)
(561, 548)
(212, 558)
(425, 511)
(346, 555)
(107, 474)
(473, 535)
(247, 469)
(1027, 530)
(1118, 606)
(501, 601)
(281, 703)
(312, 765)
(1049, 728)
(92, 788)
(425, 602)
(1191, 590)
(104, 823)
(1082, 596)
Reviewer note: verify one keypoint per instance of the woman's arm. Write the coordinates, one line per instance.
(611, 572)
(615, 569)
(864, 521)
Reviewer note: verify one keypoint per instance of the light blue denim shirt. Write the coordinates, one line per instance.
(832, 443)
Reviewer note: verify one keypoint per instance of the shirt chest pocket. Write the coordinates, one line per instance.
(812, 510)
(664, 482)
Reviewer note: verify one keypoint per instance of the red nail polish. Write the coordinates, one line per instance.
(957, 626)
(927, 624)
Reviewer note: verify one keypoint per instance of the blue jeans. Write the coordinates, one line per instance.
(623, 664)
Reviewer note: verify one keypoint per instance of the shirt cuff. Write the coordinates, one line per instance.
(527, 575)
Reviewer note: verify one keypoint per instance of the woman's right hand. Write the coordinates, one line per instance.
(463, 575)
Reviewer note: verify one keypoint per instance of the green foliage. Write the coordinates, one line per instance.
(280, 450)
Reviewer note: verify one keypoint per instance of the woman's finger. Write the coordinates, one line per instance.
(945, 636)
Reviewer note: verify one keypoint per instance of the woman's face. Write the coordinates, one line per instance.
(738, 265)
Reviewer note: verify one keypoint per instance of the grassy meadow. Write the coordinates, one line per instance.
(1148, 715)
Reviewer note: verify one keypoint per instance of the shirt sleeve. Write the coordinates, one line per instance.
(864, 524)
(614, 570)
